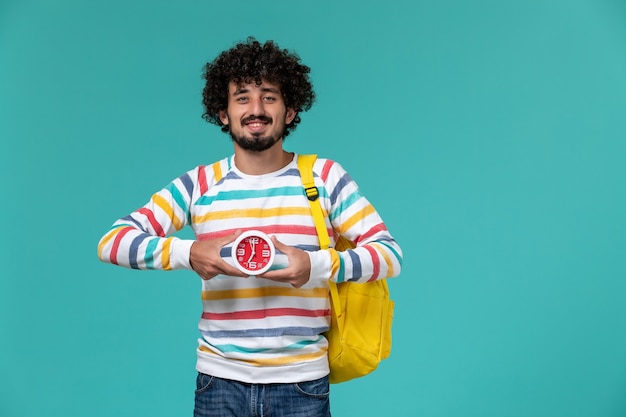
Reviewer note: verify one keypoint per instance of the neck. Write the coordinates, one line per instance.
(259, 163)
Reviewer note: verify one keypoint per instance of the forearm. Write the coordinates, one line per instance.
(132, 248)
(140, 240)
(377, 259)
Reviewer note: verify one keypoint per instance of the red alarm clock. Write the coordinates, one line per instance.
(253, 252)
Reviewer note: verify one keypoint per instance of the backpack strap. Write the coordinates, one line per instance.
(305, 165)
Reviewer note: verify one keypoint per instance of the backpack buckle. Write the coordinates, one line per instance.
(311, 193)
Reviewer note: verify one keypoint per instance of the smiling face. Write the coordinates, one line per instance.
(256, 115)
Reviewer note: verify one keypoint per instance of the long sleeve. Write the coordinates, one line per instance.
(142, 239)
(377, 255)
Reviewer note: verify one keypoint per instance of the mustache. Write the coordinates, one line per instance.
(264, 119)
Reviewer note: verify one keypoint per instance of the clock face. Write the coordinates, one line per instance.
(253, 252)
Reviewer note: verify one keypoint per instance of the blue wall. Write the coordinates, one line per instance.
(491, 136)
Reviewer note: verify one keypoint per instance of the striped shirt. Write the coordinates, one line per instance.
(252, 329)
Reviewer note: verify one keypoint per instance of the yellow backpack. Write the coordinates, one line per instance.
(362, 313)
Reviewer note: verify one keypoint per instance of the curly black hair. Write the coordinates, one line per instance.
(250, 61)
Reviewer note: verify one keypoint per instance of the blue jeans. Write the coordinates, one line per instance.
(216, 397)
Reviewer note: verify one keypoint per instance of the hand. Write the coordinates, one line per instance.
(205, 257)
(299, 269)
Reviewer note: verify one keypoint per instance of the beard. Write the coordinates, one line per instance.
(256, 142)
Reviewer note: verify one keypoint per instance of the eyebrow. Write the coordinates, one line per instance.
(245, 90)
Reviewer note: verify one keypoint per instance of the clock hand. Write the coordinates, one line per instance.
(253, 252)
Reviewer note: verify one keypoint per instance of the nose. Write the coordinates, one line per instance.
(257, 107)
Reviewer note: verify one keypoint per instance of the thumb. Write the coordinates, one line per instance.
(280, 245)
(225, 240)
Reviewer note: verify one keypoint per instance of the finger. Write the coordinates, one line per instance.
(232, 271)
(225, 240)
(222, 270)
(272, 276)
(275, 275)
(219, 267)
(283, 275)
(226, 268)
(285, 280)
(280, 245)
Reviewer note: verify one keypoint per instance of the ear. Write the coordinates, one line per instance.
(223, 117)
(291, 114)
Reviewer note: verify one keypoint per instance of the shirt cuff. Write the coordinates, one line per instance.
(179, 256)
(320, 265)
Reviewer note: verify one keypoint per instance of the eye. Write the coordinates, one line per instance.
(269, 98)
(241, 99)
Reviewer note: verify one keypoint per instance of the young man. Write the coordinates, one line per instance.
(262, 349)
